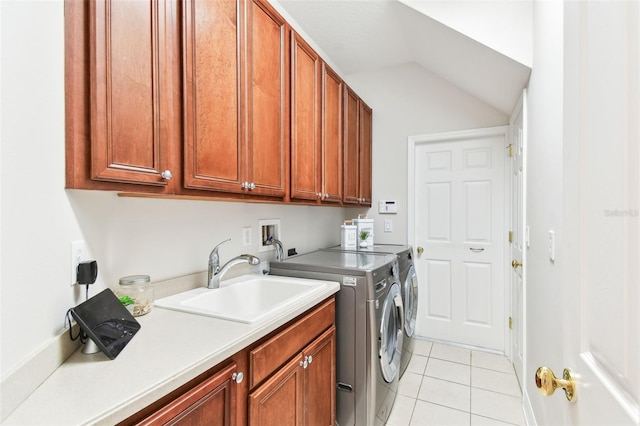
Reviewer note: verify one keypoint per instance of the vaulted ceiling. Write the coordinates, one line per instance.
(365, 35)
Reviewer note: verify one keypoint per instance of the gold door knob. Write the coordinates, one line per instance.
(420, 250)
(547, 382)
(515, 264)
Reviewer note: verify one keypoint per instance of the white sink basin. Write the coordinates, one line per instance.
(246, 299)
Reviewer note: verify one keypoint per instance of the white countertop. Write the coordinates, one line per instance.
(170, 349)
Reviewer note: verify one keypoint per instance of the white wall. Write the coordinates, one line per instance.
(480, 20)
(409, 100)
(39, 218)
(545, 328)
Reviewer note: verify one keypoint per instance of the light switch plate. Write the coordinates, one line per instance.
(388, 225)
(246, 236)
(552, 246)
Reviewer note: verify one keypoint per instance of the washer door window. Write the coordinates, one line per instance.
(391, 333)
(410, 300)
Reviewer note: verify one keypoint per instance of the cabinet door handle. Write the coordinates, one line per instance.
(237, 377)
(166, 175)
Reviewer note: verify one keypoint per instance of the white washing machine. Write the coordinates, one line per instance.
(369, 329)
(409, 290)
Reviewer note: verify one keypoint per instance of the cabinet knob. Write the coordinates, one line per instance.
(166, 175)
(237, 377)
(252, 185)
(319, 195)
(310, 359)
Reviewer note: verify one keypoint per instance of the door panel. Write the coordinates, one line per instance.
(438, 213)
(213, 90)
(516, 275)
(331, 136)
(351, 148)
(602, 212)
(478, 277)
(459, 211)
(268, 122)
(129, 71)
(279, 400)
(305, 121)
(365, 136)
(438, 273)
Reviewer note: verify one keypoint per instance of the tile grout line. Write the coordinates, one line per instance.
(470, 385)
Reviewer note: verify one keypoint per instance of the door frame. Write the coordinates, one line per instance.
(413, 142)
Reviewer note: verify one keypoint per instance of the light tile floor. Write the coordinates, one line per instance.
(449, 385)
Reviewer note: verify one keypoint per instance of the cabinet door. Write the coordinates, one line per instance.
(213, 89)
(320, 380)
(130, 118)
(351, 148)
(305, 121)
(268, 100)
(280, 400)
(365, 137)
(213, 402)
(331, 136)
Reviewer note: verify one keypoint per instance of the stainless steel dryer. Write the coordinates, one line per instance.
(369, 329)
(409, 290)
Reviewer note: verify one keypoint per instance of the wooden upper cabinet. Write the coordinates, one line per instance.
(126, 136)
(306, 148)
(236, 97)
(357, 150)
(213, 92)
(207, 98)
(351, 148)
(331, 136)
(366, 144)
(267, 123)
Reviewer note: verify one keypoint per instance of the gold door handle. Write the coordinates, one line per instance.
(515, 264)
(420, 250)
(547, 382)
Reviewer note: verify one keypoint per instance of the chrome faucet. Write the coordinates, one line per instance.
(216, 272)
(279, 248)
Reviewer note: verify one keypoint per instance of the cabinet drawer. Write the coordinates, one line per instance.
(269, 356)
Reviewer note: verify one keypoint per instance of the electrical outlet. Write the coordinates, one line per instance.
(246, 236)
(77, 253)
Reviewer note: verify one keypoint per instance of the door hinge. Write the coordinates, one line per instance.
(510, 148)
(510, 323)
(510, 236)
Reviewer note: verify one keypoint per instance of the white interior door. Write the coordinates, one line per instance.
(602, 212)
(516, 276)
(459, 233)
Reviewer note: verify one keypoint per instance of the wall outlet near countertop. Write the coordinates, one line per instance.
(77, 254)
(246, 236)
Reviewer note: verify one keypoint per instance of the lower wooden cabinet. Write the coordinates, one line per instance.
(213, 402)
(320, 380)
(301, 392)
(286, 378)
